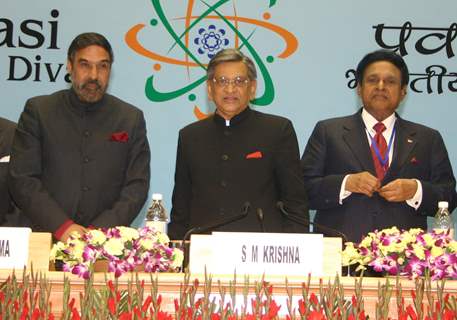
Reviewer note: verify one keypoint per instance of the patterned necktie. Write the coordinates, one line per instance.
(380, 143)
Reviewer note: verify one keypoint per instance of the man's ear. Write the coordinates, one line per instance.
(404, 91)
(359, 90)
(252, 89)
(209, 89)
(69, 66)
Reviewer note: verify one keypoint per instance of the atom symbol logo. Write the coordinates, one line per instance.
(211, 40)
(208, 38)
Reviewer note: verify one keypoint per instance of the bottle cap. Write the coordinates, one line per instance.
(443, 204)
(157, 196)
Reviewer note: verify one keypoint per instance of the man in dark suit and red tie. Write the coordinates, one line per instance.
(373, 169)
(234, 156)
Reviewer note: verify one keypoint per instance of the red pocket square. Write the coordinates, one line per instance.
(254, 155)
(121, 136)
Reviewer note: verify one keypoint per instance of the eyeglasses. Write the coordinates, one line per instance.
(223, 82)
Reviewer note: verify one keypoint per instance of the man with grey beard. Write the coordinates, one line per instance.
(80, 157)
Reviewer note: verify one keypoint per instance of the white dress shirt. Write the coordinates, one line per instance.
(389, 122)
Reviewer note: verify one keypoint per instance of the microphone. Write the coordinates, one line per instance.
(303, 221)
(244, 212)
(259, 214)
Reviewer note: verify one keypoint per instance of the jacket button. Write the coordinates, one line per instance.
(86, 159)
(225, 157)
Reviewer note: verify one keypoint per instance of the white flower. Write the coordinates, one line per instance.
(128, 234)
(96, 237)
(114, 246)
(177, 258)
(162, 238)
(146, 244)
(56, 250)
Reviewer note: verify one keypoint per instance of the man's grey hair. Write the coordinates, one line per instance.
(231, 55)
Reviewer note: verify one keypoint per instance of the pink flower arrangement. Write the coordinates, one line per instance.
(410, 253)
(124, 249)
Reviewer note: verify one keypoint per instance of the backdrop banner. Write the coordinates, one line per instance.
(305, 53)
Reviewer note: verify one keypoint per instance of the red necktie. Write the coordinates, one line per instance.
(382, 148)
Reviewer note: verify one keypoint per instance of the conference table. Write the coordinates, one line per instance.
(168, 285)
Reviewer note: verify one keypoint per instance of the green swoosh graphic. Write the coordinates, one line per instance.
(269, 92)
(163, 18)
(156, 96)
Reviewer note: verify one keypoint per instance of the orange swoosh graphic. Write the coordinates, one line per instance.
(132, 40)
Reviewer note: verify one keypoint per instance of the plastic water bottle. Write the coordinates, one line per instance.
(156, 216)
(443, 221)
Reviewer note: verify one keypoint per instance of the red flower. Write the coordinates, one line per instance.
(449, 315)
(273, 310)
(316, 315)
(36, 314)
(137, 313)
(314, 299)
(112, 306)
(71, 303)
(121, 136)
(164, 316)
(354, 301)
(411, 312)
(146, 304)
(414, 160)
(215, 316)
(25, 312)
(125, 316)
(254, 155)
(362, 315)
(301, 307)
(75, 314)
(110, 285)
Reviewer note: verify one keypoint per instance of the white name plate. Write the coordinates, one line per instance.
(291, 254)
(14, 247)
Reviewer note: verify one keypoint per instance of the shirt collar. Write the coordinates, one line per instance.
(370, 121)
(82, 107)
(235, 120)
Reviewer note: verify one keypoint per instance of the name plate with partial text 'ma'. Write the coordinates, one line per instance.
(14, 247)
(290, 254)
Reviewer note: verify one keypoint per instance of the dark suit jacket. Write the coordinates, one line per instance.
(67, 164)
(215, 176)
(338, 147)
(7, 129)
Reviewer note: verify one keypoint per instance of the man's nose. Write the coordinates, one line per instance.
(230, 86)
(93, 72)
(381, 84)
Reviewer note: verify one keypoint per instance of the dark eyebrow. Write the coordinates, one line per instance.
(101, 61)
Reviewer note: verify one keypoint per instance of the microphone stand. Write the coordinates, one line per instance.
(303, 221)
(259, 214)
(217, 224)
